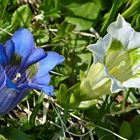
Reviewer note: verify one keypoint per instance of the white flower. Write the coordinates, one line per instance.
(116, 61)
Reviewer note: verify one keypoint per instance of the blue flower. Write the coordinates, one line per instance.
(22, 68)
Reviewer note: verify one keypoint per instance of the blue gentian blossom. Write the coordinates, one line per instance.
(24, 67)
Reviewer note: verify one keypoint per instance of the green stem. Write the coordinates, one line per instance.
(131, 9)
(126, 95)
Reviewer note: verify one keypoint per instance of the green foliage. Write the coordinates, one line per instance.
(125, 130)
(15, 134)
(135, 125)
(83, 20)
(62, 95)
(22, 16)
(67, 27)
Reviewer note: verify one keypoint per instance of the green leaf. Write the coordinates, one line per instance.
(63, 31)
(15, 134)
(43, 38)
(62, 95)
(135, 125)
(22, 16)
(91, 113)
(82, 75)
(125, 130)
(82, 14)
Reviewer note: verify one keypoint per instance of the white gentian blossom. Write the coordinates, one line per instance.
(116, 63)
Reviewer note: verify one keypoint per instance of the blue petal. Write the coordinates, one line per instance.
(20, 95)
(47, 89)
(3, 57)
(10, 49)
(36, 55)
(8, 93)
(7, 96)
(5, 81)
(41, 83)
(10, 84)
(42, 80)
(24, 43)
(2, 78)
(48, 63)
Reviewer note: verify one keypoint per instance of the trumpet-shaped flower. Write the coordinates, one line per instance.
(24, 67)
(116, 61)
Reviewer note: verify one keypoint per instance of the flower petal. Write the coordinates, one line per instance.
(10, 84)
(36, 55)
(48, 63)
(122, 31)
(100, 48)
(24, 43)
(115, 84)
(10, 48)
(47, 89)
(3, 57)
(31, 85)
(7, 95)
(96, 83)
(42, 80)
(2, 78)
(41, 83)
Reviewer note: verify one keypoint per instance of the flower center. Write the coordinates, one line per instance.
(122, 63)
(18, 75)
